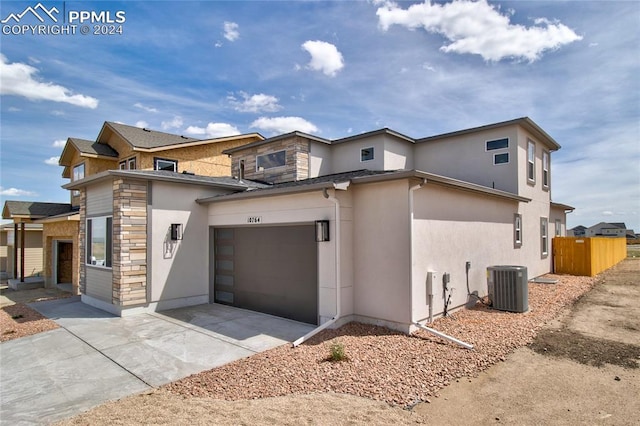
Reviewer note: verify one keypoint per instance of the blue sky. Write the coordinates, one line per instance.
(333, 69)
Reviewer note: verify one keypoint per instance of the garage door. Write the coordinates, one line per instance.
(268, 269)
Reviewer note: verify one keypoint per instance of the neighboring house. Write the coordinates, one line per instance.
(117, 147)
(324, 230)
(603, 229)
(577, 231)
(24, 238)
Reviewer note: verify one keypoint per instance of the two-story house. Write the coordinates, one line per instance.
(117, 147)
(325, 231)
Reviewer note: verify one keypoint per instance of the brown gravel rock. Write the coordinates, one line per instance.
(19, 320)
(386, 365)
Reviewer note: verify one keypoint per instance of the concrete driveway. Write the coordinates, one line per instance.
(96, 357)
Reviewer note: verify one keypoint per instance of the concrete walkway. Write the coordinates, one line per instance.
(95, 357)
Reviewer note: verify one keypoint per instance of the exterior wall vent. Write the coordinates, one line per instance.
(508, 288)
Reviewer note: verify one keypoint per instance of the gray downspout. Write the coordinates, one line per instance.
(338, 240)
(411, 248)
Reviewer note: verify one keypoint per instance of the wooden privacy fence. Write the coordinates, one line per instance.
(587, 256)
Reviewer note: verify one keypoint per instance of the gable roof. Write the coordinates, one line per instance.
(33, 210)
(145, 138)
(383, 131)
(524, 122)
(86, 149)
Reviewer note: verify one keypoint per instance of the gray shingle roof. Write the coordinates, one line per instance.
(91, 147)
(145, 138)
(188, 177)
(33, 209)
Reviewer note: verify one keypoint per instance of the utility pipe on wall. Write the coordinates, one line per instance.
(343, 186)
(412, 189)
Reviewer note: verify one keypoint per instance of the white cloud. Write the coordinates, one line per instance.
(255, 103)
(145, 107)
(59, 143)
(14, 109)
(18, 79)
(218, 44)
(476, 27)
(142, 124)
(173, 124)
(52, 161)
(15, 192)
(231, 32)
(213, 130)
(607, 213)
(284, 125)
(325, 57)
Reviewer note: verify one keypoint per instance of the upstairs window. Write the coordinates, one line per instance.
(531, 161)
(502, 158)
(100, 239)
(163, 164)
(271, 160)
(128, 164)
(366, 154)
(78, 173)
(497, 144)
(545, 169)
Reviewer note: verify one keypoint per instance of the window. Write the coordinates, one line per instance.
(531, 161)
(99, 238)
(163, 164)
(558, 228)
(366, 154)
(497, 144)
(271, 160)
(545, 169)
(517, 230)
(78, 173)
(544, 236)
(129, 164)
(501, 158)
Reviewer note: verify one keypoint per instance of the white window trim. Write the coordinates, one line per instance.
(545, 169)
(75, 192)
(166, 160)
(533, 163)
(89, 243)
(558, 231)
(259, 169)
(373, 152)
(517, 230)
(501, 153)
(544, 236)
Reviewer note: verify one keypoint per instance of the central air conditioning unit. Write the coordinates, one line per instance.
(508, 288)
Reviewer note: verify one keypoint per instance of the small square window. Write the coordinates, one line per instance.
(366, 154)
(501, 158)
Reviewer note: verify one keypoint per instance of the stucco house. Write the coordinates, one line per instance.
(325, 231)
(117, 147)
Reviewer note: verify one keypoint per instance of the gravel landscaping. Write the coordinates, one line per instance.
(385, 365)
(19, 320)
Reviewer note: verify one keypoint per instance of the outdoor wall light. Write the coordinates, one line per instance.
(322, 230)
(176, 231)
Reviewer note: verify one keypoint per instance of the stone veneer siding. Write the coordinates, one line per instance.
(296, 163)
(82, 232)
(129, 242)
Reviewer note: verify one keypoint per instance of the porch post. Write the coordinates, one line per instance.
(15, 250)
(22, 252)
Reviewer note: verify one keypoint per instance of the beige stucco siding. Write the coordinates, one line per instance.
(381, 256)
(179, 269)
(319, 159)
(347, 156)
(4, 253)
(452, 227)
(303, 209)
(466, 158)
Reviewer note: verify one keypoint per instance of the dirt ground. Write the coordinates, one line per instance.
(583, 368)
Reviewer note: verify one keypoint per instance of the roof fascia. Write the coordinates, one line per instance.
(385, 131)
(275, 139)
(197, 143)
